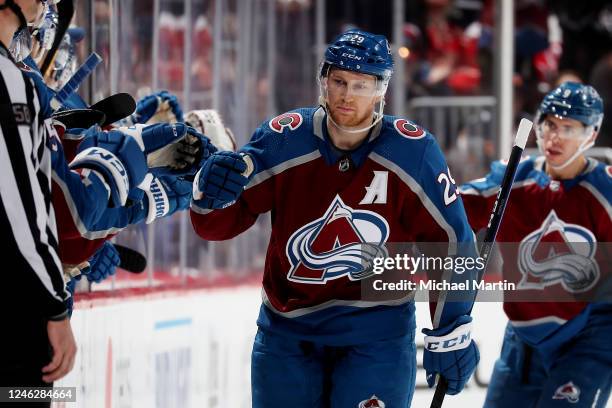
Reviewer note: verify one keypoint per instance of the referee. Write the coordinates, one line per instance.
(37, 346)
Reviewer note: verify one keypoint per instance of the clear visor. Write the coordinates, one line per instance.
(46, 34)
(40, 18)
(63, 55)
(21, 45)
(334, 82)
(64, 65)
(360, 87)
(547, 128)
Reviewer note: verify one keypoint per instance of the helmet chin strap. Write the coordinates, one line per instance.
(17, 10)
(346, 130)
(584, 146)
(379, 116)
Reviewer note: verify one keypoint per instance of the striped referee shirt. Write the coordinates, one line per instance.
(29, 234)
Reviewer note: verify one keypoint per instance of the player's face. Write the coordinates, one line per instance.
(31, 9)
(561, 137)
(351, 97)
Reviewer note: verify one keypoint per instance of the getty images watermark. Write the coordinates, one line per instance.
(464, 278)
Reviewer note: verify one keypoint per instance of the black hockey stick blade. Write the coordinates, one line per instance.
(79, 118)
(131, 260)
(495, 220)
(65, 12)
(115, 107)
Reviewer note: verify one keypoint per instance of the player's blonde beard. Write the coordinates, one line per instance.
(378, 112)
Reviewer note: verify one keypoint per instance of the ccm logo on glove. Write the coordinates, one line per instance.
(458, 339)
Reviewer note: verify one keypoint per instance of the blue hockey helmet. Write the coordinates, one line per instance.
(360, 51)
(574, 101)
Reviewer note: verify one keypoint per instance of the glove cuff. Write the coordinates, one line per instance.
(135, 131)
(158, 203)
(458, 339)
(110, 166)
(196, 192)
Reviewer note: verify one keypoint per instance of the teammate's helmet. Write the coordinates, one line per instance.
(21, 44)
(575, 101)
(360, 51)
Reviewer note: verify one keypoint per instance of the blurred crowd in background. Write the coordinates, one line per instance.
(253, 59)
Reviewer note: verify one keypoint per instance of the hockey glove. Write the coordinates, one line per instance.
(164, 197)
(157, 108)
(103, 264)
(171, 149)
(451, 352)
(117, 156)
(221, 180)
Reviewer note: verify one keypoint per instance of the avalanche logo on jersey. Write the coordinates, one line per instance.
(558, 252)
(569, 392)
(371, 403)
(408, 129)
(343, 242)
(293, 120)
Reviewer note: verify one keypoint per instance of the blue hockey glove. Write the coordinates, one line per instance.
(171, 149)
(164, 197)
(103, 263)
(221, 180)
(117, 156)
(451, 352)
(159, 107)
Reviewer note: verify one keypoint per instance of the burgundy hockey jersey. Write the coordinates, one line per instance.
(561, 232)
(325, 205)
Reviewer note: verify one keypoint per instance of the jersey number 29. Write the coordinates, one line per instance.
(447, 179)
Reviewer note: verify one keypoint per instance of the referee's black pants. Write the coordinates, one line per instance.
(24, 351)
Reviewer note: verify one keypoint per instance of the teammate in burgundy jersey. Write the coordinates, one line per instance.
(341, 180)
(556, 353)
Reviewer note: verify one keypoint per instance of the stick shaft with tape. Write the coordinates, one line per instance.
(495, 220)
(76, 80)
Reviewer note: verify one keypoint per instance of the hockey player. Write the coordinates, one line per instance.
(555, 354)
(85, 222)
(337, 179)
(83, 227)
(38, 344)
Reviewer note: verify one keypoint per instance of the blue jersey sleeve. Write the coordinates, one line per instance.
(80, 198)
(446, 207)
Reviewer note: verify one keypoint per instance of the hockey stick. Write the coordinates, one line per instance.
(76, 80)
(494, 222)
(115, 107)
(131, 260)
(104, 112)
(79, 118)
